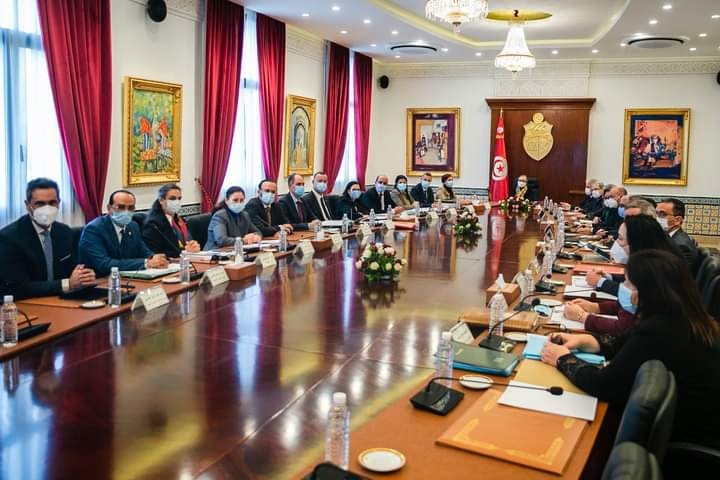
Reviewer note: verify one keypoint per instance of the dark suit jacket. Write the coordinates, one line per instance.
(353, 209)
(23, 273)
(593, 207)
(687, 248)
(610, 221)
(159, 235)
(289, 210)
(225, 226)
(101, 250)
(426, 198)
(311, 203)
(255, 208)
(371, 200)
(609, 286)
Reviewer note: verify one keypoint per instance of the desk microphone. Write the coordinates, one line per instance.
(440, 400)
(497, 342)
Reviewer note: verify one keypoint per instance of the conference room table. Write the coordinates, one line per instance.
(236, 381)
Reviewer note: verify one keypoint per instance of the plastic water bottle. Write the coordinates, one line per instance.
(114, 294)
(239, 251)
(319, 232)
(345, 224)
(337, 435)
(498, 305)
(523, 284)
(547, 263)
(372, 217)
(184, 268)
(444, 359)
(389, 212)
(282, 239)
(530, 281)
(8, 318)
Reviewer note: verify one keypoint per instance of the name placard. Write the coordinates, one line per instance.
(337, 241)
(364, 231)
(470, 208)
(389, 224)
(265, 260)
(433, 216)
(304, 249)
(215, 276)
(320, 235)
(451, 213)
(150, 299)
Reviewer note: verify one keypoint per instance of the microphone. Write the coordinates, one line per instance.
(496, 342)
(569, 256)
(545, 287)
(441, 400)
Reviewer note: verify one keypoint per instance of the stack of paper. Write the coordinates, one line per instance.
(535, 344)
(567, 405)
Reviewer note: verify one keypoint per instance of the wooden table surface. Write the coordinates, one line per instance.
(235, 382)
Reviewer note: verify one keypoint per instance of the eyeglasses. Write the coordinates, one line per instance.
(122, 208)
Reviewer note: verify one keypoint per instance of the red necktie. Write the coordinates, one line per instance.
(301, 214)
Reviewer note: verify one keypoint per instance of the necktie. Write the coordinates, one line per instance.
(382, 202)
(48, 252)
(324, 208)
(301, 214)
(267, 214)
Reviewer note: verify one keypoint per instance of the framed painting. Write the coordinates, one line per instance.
(299, 135)
(655, 150)
(152, 116)
(433, 141)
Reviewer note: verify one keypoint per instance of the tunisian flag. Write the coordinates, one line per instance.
(499, 181)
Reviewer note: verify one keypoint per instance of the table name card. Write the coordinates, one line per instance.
(304, 249)
(364, 231)
(265, 260)
(470, 208)
(150, 299)
(432, 216)
(389, 224)
(215, 276)
(337, 241)
(450, 213)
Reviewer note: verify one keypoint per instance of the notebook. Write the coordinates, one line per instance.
(483, 360)
(535, 344)
(150, 273)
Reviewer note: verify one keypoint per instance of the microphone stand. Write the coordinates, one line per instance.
(502, 344)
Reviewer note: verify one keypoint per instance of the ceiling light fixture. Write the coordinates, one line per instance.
(367, 21)
(373, 45)
(515, 55)
(394, 32)
(595, 50)
(456, 12)
(305, 15)
(667, 6)
(555, 52)
(335, 8)
(478, 54)
(444, 49)
(702, 35)
(653, 22)
(715, 17)
(692, 49)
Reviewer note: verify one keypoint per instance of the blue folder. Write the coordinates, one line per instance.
(535, 345)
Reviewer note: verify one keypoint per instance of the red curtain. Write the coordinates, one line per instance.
(76, 38)
(223, 51)
(363, 104)
(271, 61)
(336, 121)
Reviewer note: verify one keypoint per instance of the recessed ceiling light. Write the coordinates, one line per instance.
(367, 21)
(638, 34)
(692, 49)
(653, 22)
(595, 50)
(478, 54)
(343, 32)
(554, 52)
(397, 56)
(667, 6)
(715, 17)
(444, 49)
(394, 32)
(702, 35)
(335, 8)
(373, 45)
(623, 44)
(305, 14)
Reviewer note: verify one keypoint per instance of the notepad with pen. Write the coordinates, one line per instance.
(535, 345)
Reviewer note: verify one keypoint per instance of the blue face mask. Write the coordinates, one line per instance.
(267, 197)
(299, 190)
(380, 187)
(449, 183)
(401, 186)
(235, 207)
(320, 187)
(625, 299)
(425, 184)
(122, 218)
(355, 194)
(621, 211)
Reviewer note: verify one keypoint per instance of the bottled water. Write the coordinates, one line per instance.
(282, 240)
(239, 251)
(522, 283)
(372, 217)
(345, 224)
(547, 263)
(530, 281)
(319, 232)
(389, 212)
(444, 359)
(8, 319)
(498, 305)
(337, 436)
(114, 294)
(184, 268)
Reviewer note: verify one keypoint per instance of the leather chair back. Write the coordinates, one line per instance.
(139, 218)
(709, 269)
(76, 234)
(198, 225)
(711, 297)
(650, 410)
(630, 461)
(332, 203)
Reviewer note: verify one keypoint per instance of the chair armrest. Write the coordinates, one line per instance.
(693, 450)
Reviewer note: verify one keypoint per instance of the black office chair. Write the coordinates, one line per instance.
(76, 234)
(630, 461)
(197, 225)
(703, 253)
(332, 203)
(709, 269)
(533, 189)
(683, 458)
(711, 297)
(139, 218)
(650, 410)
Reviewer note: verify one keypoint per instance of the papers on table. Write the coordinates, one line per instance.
(332, 224)
(580, 289)
(150, 273)
(568, 404)
(558, 318)
(535, 344)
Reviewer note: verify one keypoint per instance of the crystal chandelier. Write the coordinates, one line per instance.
(456, 12)
(515, 56)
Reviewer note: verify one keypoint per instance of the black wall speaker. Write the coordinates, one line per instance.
(156, 10)
(384, 81)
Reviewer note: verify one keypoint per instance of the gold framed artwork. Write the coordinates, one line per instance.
(433, 141)
(655, 147)
(300, 135)
(151, 134)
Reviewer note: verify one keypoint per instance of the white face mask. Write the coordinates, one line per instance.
(663, 223)
(172, 206)
(618, 253)
(612, 203)
(45, 215)
(521, 183)
(596, 193)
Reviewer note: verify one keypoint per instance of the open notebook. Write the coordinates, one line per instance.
(150, 273)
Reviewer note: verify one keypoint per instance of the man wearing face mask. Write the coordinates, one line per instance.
(293, 207)
(378, 197)
(114, 240)
(670, 216)
(608, 220)
(594, 203)
(422, 192)
(316, 200)
(264, 211)
(37, 255)
(164, 231)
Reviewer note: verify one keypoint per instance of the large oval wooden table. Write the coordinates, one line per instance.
(235, 382)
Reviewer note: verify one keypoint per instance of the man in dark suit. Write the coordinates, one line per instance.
(37, 254)
(264, 211)
(378, 197)
(422, 192)
(114, 240)
(292, 206)
(671, 214)
(316, 199)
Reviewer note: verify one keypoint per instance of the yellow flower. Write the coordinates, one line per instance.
(374, 266)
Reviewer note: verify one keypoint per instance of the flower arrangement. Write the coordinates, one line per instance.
(467, 223)
(379, 261)
(467, 243)
(515, 204)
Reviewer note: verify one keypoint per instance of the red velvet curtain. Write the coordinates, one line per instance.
(362, 70)
(76, 38)
(224, 23)
(271, 61)
(338, 83)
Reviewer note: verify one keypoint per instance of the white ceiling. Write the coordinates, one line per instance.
(576, 28)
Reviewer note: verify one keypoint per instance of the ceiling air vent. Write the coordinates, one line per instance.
(413, 48)
(656, 41)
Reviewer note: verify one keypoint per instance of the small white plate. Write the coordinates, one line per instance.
(173, 279)
(93, 304)
(476, 382)
(382, 459)
(516, 336)
(550, 302)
